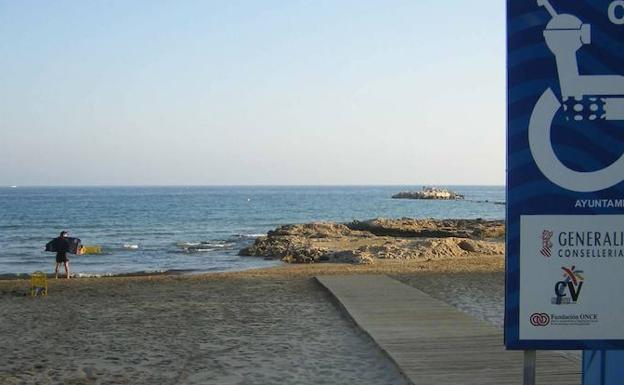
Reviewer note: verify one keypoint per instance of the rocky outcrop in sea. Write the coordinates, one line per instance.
(367, 241)
(429, 193)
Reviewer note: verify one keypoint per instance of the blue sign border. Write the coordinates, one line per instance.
(531, 69)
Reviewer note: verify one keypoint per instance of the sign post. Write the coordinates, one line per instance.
(565, 175)
(529, 367)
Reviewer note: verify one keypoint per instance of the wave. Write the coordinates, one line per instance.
(249, 236)
(205, 246)
(12, 227)
(494, 202)
(139, 273)
(132, 274)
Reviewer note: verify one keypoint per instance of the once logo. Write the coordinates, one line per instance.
(539, 319)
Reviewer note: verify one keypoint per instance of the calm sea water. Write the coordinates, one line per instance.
(157, 229)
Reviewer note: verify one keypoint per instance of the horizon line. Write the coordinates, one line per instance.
(253, 185)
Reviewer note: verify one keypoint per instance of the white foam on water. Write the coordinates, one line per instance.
(252, 235)
(120, 274)
(205, 246)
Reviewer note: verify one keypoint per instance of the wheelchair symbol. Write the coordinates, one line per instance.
(584, 97)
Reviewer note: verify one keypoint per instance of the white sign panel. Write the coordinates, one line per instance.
(571, 277)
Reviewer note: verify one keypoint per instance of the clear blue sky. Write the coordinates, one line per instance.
(252, 92)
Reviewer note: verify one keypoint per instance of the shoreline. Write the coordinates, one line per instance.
(166, 273)
(378, 241)
(26, 276)
(449, 265)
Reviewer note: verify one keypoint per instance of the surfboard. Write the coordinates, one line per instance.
(74, 245)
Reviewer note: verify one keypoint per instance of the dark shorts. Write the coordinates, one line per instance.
(61, 258)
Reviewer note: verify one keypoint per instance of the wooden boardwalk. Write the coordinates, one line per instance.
(434, 343)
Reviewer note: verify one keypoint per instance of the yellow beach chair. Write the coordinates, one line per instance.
(38, 284)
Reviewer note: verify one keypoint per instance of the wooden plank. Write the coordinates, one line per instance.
(434, 343)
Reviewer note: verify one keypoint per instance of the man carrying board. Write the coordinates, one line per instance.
(61, 246)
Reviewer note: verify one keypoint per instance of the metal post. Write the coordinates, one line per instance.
(603, 367)
(529, 367)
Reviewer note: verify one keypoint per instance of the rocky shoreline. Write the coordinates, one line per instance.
(364, 242)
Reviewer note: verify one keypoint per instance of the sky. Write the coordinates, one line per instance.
(230, 92)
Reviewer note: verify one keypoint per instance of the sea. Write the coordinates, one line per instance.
(195, 229)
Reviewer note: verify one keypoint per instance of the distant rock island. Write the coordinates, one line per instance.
(429, 193)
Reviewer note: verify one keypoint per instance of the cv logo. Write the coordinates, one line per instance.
(591, 97)
(571, 284)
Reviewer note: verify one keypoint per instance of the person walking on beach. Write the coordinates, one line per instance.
(61, 245)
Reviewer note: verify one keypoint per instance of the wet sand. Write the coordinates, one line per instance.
(269, 326)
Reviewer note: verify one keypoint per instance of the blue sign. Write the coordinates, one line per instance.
(565, 173)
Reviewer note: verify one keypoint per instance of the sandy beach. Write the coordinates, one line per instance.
(267, 326)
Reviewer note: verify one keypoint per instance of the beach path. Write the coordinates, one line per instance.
(434, 343)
